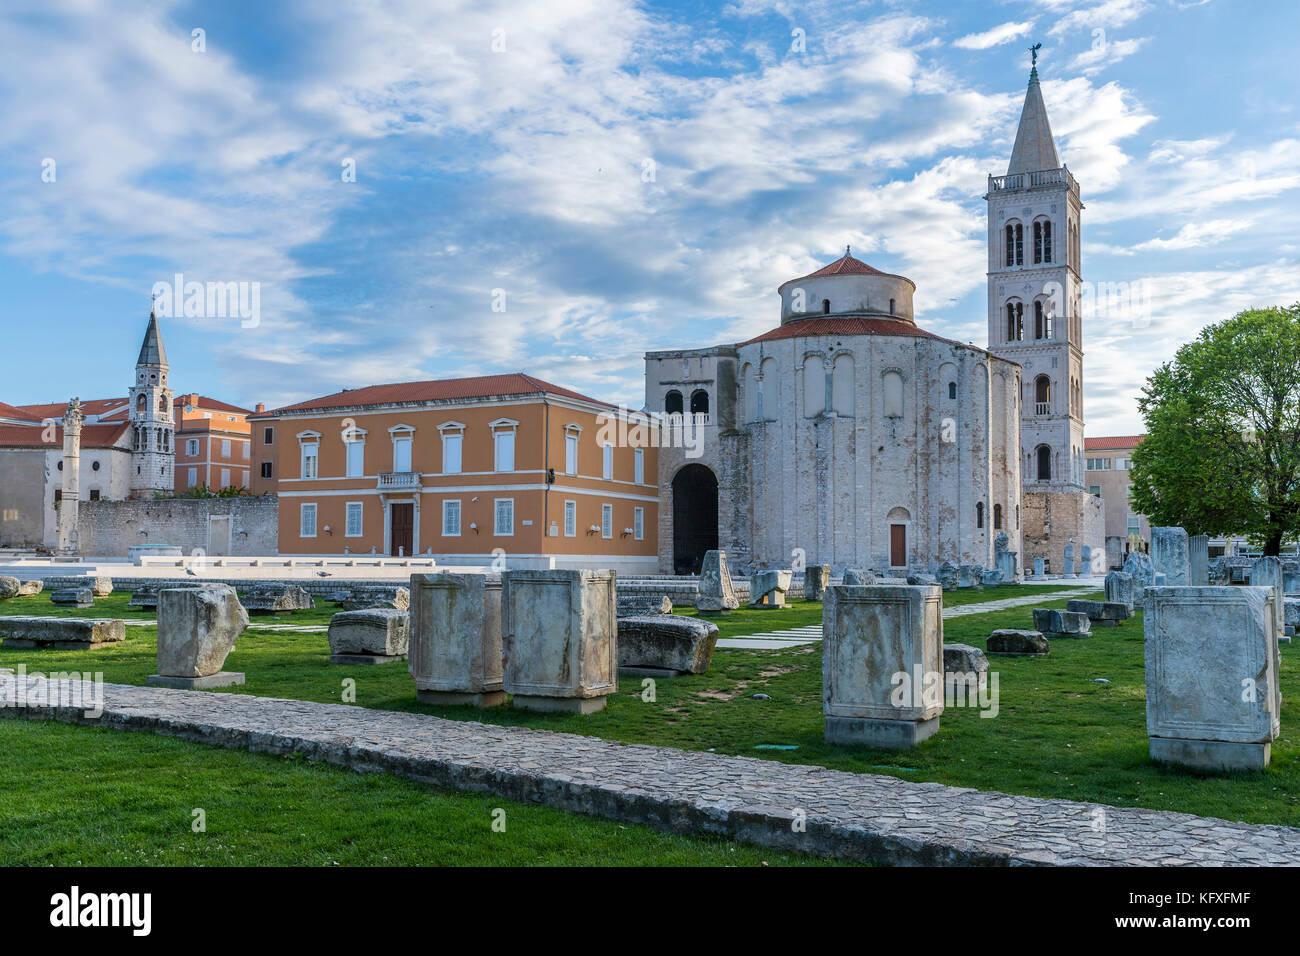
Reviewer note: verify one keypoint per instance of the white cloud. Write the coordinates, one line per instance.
(1196, 234)
(1003, 33)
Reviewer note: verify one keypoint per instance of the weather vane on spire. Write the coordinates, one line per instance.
(1033, 53)
(846, 249)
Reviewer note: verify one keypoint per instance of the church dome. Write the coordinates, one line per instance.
(847, 287)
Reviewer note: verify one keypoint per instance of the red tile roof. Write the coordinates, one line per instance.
(30, 436)
(483, 386)
(1113, 441)
(845, 265)
(209, 404)
(93, 406)
(13, 411)
(842, 325)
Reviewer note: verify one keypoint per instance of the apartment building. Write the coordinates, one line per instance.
(213, 444)
(1106, 471)
(462, 469)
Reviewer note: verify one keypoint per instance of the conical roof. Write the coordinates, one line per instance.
(151, 350)
(1035, 149)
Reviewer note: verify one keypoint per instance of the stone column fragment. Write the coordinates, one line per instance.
(455, 647)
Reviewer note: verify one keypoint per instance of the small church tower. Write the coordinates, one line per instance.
(1034, 303)
(153, 454)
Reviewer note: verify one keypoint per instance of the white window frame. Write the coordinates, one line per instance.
(607, 520)
(305, 509)
(225, 448)
(225, 478)
(570, 518)
(191, 447)
(446, 511)
(361, 519)
(496, 517)
(501, 428)
(572, 444)
(403, 433)
(360, 445)
(607, 461)
(247, 448)
(193, 478)
(453, 435)
(308, 441)
(638, 523)
(638, 465)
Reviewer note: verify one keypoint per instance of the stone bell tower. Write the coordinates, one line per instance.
(153, 455)
(1034, 303)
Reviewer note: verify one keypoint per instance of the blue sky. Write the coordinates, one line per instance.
(524, 169)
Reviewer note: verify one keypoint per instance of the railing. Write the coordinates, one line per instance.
(1042, 177)
(678, 418)
(1042, 408)
(399, 479)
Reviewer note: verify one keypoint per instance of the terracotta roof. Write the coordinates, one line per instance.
(845, 265)
(29, 436)
(13, 411)
(1113, 441)
(209, 404)
(93, 406)
(842, 325)
(483, 386)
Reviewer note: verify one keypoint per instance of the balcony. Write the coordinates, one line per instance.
(399, 480)
(1042, 177)
(1042, 408)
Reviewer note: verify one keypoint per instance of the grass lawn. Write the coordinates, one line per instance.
(80, 795)
(1056, 734)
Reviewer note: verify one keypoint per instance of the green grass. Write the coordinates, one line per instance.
(81, 795)
(1057, 733)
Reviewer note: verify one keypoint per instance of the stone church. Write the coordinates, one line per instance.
(851, 436)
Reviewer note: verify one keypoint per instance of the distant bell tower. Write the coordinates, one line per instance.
(1035, 302)
(1034, 297)
(153, 455)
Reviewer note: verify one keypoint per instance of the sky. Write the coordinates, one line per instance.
(426, 189)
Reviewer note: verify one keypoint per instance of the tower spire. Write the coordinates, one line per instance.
(1035, 147)
(151, 349)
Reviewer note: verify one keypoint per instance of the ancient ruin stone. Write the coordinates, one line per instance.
(716, 594)
(197, 629)
(375, 632)
(666, 642)
(74, 633)
(1011, 641)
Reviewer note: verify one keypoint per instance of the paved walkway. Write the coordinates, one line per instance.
(855, 816)
(812, 633)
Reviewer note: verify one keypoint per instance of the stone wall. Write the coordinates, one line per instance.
(110, 528)
(22, 508)
(1049, 520)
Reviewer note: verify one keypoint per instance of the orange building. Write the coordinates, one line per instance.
(462, 469)
(213, 444)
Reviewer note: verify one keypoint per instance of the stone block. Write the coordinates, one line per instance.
(1006, 567)
(1040, 567)
(948, 574)
(1101, 613)
(961, 660)
(918, 580)
(991, 579)
(1198, 560)
(815, 579)
(378, 634)
(60, 633)
(639, 603)
(716, 594)
(456, 650)
(197, 629)
(1211, 674)
(73, 597)
(870, 635)
(668, 643)
(9, 588)
(1291, 612)
(767, 589)
(278, 599)
(30, 588)
(1290, 581)
(966, 576)
(207, 682)
(1169, 555)
(559, 639)
(1143, 572)
(857, 577)
(1053, 623)
(361, 599)
(1014, 642)
(1119, 588)
(101, 586)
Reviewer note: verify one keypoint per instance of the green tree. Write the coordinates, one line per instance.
(1222, 450)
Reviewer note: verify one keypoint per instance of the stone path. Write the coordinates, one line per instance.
(812, 633)
(854, 816)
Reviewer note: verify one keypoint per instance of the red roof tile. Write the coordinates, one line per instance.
(1113, 441)
(209, 404)
(30, 436)
(842, 325)
(451, 389)
(13, 411)
(92, 406)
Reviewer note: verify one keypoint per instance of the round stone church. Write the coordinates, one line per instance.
(847, 435)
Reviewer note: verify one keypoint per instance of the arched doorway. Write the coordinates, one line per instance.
(695, 517)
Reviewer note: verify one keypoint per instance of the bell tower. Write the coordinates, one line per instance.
(153, 455)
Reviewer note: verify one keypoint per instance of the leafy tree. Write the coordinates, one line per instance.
(1222, 450)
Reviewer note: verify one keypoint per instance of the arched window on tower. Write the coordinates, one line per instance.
(1015, 322)
(699, 402)
(162, 405)
(1042, 240)
(952, 389)
(1042, 395)
(1039, 327)
(979, 514)
(673, 403)
(997, 517)
(140, 403)
(826, 306)
(891, 307)
(1015, 244)
(1044, 456)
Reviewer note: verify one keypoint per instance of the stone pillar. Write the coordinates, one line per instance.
(1040, 567)
(69, 542)
(882, 664)
(815, 579)
(559, 639)
(455, 646)
(716, 594)
(1169, 555)
(1211, 676)
(1198, 561)
(197, 629)
(1267, 573)
(1119, 589)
